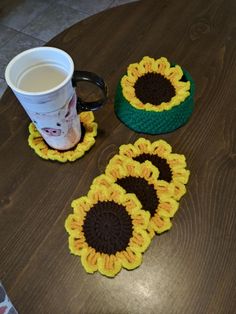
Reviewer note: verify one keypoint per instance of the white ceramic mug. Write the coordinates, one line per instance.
(43, 80)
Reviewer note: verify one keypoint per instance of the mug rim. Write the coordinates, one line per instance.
(49, 91)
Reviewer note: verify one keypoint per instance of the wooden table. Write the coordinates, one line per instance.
(190, 269)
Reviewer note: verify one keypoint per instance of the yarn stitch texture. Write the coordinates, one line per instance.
(155, 119)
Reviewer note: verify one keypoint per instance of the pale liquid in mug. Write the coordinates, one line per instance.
(42, 78)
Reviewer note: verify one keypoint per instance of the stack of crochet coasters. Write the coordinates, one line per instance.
(154, 96)
(135, 198)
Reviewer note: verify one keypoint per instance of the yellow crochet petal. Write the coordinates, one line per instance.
(117, 160)
(73, 225)
(159, 225)
(132, 205)
(181, 175)
(174, 73)
(89, 259)
(182, 86)
(81, 206)
(129, 93)
(127, 81)
(97, 194)
(150, 173)
(33, 130)
(140, 240)
(167, 207)
(177, 161)
(129, 168)
(179, 190)
(120, 167)
(129, 259)
(109, 265)
(140, 219)
(129, 150)
(102, 180)
(163, 188)
(142, 145)
(87, 117)
(114, 171)
(161, 148)
(162, 65)
(147, 64)
(77, 245)
(134, 71)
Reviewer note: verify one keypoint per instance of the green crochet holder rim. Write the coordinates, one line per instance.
(152, 122)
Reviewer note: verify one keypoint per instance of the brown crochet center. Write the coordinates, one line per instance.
(160, 163)
(154, 88)
(144, 191)
(108, 227)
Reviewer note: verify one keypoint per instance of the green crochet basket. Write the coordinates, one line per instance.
(152, 122)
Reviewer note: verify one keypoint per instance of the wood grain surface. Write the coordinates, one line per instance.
(191, 268)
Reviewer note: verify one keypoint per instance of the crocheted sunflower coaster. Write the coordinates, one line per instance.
(89, 131)
(136, 197)
(108, 230)
(172, 167)
(154, 97)
(154, 195)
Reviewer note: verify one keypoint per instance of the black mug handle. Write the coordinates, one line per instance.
(84, 76)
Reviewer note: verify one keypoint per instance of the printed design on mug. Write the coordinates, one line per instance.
(6, 306)
(57, 123)
(59, 127)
